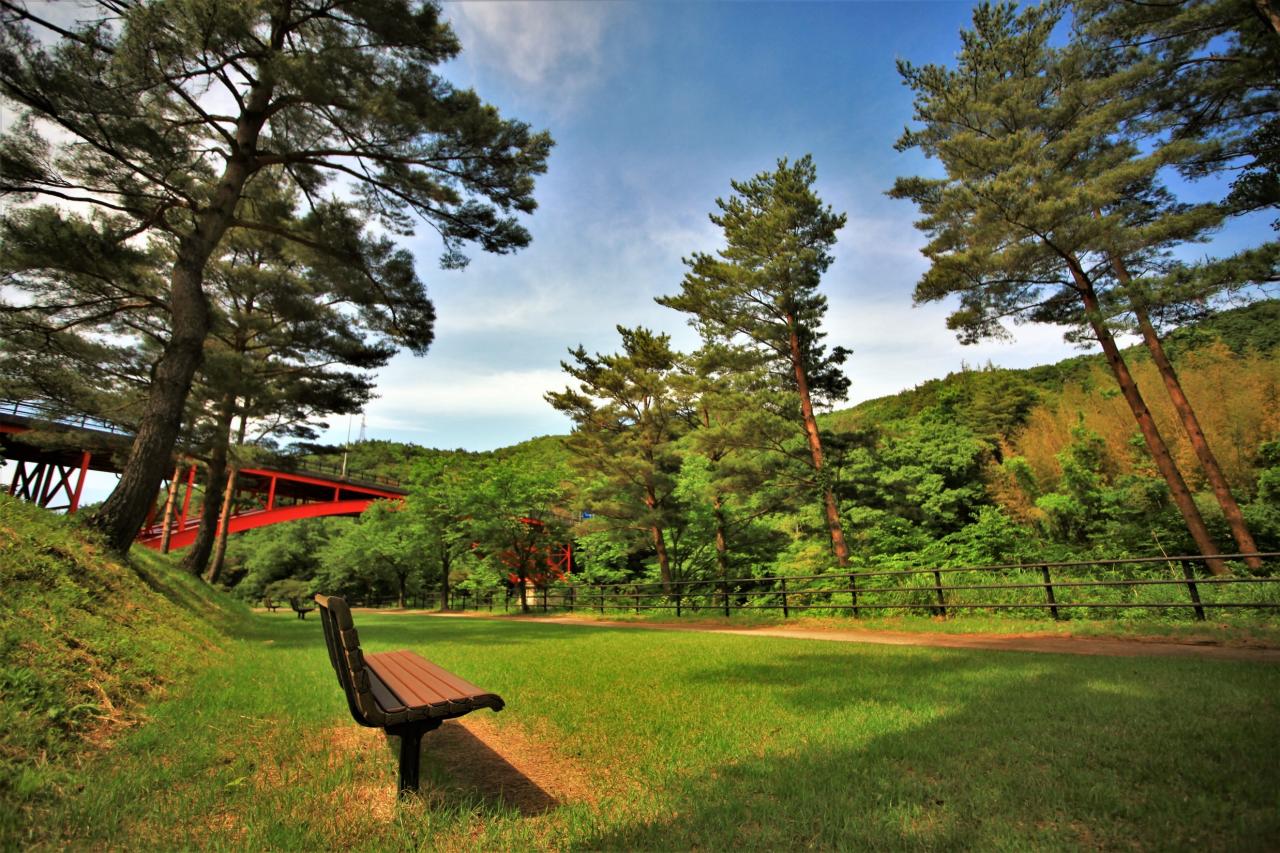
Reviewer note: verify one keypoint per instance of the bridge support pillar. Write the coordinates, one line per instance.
(43, 482)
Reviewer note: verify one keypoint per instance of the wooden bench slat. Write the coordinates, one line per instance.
(400, 681)
(403, 673)
(439, 679)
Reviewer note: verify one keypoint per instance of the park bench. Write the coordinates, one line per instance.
(400, 692)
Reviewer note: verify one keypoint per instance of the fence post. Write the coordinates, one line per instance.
(1048, 591)
(786, 612)
(726, 599)
(601, 599)
(573, 598)
(853, 594)
(942, 600)
(544, 599)
(677, 604)
(1190, 575)
(635, 591)
(506, 602)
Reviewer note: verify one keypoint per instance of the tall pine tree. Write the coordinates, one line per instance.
(1037, 216)
(760, 293)
(627, 418)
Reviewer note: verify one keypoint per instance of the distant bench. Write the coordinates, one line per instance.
(400, 692)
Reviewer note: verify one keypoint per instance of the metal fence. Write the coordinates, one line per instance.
(1051, 589)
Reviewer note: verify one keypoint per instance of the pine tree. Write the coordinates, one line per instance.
(1036, 210)
(287, 347)
(761, 293)
(166, 116)
(744, 430)
(1211, 76)
(627, 419)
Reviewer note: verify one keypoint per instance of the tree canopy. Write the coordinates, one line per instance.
(166, 118)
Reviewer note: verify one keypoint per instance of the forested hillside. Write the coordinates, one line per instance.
(983, 466)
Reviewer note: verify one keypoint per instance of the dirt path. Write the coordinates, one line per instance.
(1040, 643)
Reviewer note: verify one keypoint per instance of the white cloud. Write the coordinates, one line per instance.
(411, 392)
(556, 50)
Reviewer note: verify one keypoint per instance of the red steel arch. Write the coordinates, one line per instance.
(275, 497)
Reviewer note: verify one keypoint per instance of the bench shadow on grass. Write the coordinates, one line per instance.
(981, 751)
(458, 765)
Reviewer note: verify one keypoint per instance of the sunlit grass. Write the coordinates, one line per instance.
(1251, 629)
(702, 740)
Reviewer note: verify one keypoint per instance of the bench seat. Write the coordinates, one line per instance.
(400, 692)
(404, 682)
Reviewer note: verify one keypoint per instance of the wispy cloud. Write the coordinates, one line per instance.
(557, 50)
(412, 391)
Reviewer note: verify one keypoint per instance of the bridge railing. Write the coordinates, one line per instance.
(38, 411)
(287, 463)
(44, 412)
(1059, 590)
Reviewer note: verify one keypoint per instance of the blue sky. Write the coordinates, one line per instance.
(655, 107)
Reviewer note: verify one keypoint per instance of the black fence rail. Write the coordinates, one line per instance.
(1050, 589)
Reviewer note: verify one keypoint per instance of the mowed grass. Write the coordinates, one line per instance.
(1245, 628)
(703, 741)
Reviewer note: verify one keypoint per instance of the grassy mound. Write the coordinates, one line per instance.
(84, 639)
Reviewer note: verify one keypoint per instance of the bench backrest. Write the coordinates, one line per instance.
(348, 661)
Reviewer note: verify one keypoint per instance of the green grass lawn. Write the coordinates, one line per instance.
(1229, 629)
(695, 740)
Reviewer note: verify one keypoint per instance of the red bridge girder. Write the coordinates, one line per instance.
(44, 475)
(240, 522)
(283, 496)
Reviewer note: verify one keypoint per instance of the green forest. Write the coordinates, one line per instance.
(985, 466)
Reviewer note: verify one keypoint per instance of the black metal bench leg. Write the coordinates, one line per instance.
(410, 752)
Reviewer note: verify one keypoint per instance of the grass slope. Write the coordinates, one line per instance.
(701, 741)
(84, 640)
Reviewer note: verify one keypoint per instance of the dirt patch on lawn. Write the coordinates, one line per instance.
(504, 766)
(1064, 644)
(507, 765)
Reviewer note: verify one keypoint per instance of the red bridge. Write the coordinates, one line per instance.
(52, 455)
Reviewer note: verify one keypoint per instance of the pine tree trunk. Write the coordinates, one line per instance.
(664, 561)
(197, 558)
(1269, 13)
(125, 510)
(831, 510)
(1190, 423)
(166, 529)
(444, 576)
(224, 522)
(722, 542)
(1155, 443)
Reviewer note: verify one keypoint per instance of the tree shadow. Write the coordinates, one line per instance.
(421, 633)
(941, 750)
